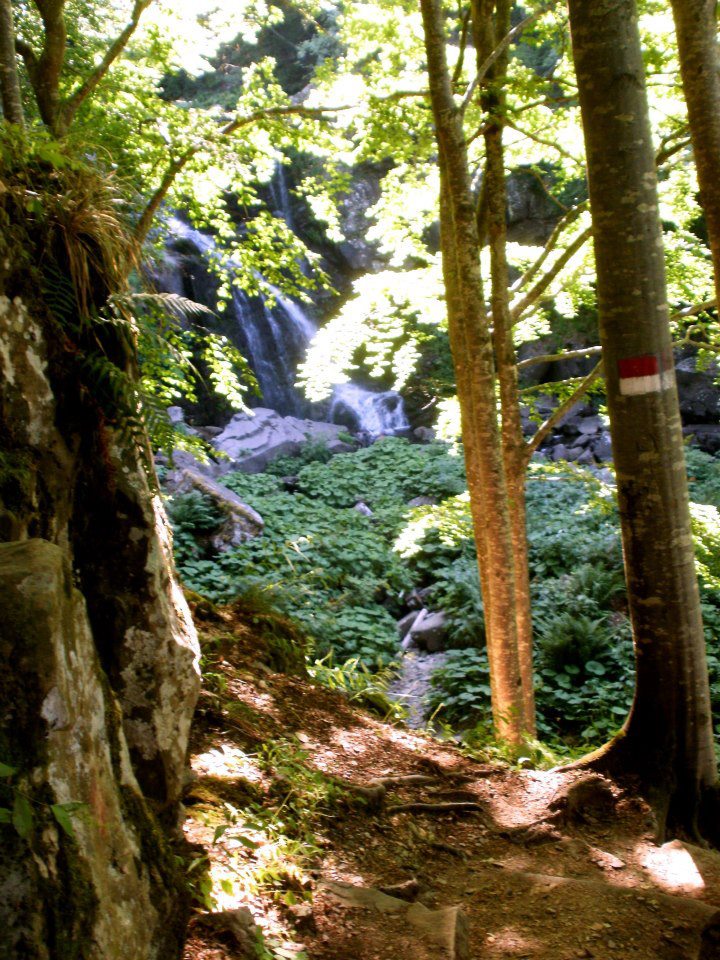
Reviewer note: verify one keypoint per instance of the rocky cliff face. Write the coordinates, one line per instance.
(101, 674)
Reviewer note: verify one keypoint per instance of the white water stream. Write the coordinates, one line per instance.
(275, 339)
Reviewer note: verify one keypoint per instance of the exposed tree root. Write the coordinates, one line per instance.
(459, 807)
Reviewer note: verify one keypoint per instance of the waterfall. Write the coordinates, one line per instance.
(274, 340)
(280, 195)
(377, 414)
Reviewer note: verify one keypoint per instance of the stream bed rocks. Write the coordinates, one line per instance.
(251, 441)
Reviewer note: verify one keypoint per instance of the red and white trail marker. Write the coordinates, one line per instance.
(640, 375)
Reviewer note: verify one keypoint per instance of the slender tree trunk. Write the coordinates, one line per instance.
(9, 83)
(667, 739)
(487, 34)
(472, 353)
(696, 28)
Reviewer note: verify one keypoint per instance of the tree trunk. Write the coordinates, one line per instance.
(471, 345)
(487, 34)
(696, 29)
(667, 739)
(9, 83)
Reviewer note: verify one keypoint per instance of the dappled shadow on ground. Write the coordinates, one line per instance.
(296, 790)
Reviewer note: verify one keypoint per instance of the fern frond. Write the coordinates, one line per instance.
(173, 303)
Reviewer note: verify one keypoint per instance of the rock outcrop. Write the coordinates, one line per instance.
(252, 441)
(101, 662)
(103, 885)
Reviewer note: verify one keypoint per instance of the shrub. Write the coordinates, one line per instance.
(192, 516)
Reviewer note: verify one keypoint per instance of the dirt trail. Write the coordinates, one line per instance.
(542, 865)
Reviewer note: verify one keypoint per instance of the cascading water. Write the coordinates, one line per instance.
(275, 339)
(377, 414)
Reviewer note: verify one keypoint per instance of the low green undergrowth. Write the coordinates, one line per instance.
(345, 576)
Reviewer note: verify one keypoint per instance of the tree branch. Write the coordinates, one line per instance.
(556, 416)
(10, 95)
(499, 50)
(553, 144)
(693, 310)
(88, 86)
(457, 72)
(532, 296)
(553, 357)
(144, 224)
(570, 217)
(27, 53)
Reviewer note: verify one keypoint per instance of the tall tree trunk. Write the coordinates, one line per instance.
(696, 28)
(9, 83)
(667, 739)
(487, 34)
(472, 353)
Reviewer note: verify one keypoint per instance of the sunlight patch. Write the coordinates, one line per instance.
(673, 868)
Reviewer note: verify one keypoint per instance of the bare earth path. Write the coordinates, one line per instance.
(345, 838)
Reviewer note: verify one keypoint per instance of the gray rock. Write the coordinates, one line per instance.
(606, 476)
(424, 434)
(242, 522)
(429, 631)
(423, 502)
(209, 433)
(124, 903)
(363, 509)
(705, 435)
(699, 394)
(252, 441)
(182, 460)
(591, 425)
(574, 453)
(364, 191)
(586, 458)
(406, 624)
(559, 452)
(602, 447)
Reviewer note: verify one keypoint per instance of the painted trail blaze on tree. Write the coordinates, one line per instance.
(646, 374)
(667, 740)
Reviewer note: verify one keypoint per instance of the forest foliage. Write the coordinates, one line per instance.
(195, 114)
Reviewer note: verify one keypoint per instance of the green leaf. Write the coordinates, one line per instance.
(63, 815)
(22, 816)
(219, 831)
(5, 815)
(592, 666)
(6, 771)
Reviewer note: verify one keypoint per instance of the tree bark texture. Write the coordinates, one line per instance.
(667, 739)
(696, 29)
(471, 345)
(9, 83)
(488, 33)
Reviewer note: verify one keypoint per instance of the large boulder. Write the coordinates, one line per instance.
(102, 664)
(75, 482)
(240, 521)
(698, 391)
(429, 631)
(251, 441)
(99, 882)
